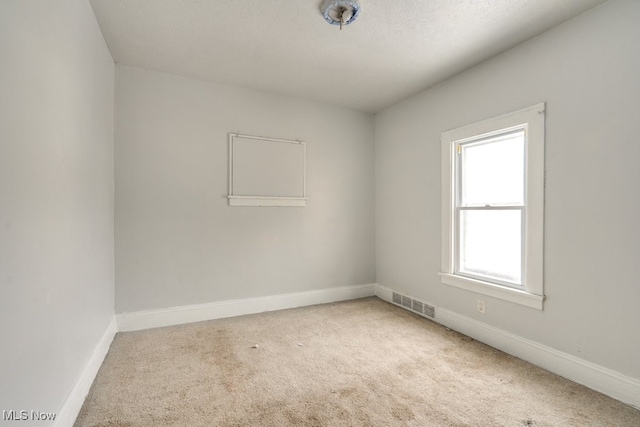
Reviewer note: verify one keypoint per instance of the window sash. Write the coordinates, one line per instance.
(458, 245)
(498, 136)
(495, 136)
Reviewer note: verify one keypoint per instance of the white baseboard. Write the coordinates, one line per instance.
(596, 377)
(217, 310)
(384, 293)
(72, 405)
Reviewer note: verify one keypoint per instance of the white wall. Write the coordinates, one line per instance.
(56, 198)
(177, 240)
(587, 70)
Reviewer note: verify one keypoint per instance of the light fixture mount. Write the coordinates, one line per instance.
(340, 12)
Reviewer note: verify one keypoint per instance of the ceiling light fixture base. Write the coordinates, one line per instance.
(340, 12)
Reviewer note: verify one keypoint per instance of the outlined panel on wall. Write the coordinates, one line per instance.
(267, 171)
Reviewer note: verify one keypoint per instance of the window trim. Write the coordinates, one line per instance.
(266, 201)
(532, 120)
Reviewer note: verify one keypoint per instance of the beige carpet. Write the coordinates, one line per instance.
(354, 363)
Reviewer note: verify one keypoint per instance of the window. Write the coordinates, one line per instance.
(267, 171)
(492, 207)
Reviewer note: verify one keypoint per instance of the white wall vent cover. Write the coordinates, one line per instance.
(421, 307)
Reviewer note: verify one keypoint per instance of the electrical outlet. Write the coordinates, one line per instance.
(481, 306)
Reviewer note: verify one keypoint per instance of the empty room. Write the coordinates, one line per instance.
(319, 213)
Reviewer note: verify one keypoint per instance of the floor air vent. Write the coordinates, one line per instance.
(414, 305)
(429, 311)
(406, 301)
(397, 298)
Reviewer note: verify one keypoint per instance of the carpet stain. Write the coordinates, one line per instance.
(217, 348)
(402, 412)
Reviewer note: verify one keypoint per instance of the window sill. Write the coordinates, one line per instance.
(266, 201)
(501, 292)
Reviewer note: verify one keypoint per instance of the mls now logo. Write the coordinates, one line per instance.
(25, 415)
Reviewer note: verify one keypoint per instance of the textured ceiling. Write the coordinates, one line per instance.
(395, 49)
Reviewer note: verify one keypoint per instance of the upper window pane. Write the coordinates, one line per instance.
(492, 171)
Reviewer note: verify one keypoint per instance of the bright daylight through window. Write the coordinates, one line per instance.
(493, 184)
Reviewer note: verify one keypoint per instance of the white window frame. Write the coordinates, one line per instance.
(267, 201)
(532, 121)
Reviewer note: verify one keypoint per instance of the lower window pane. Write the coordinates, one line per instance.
(490, 244)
